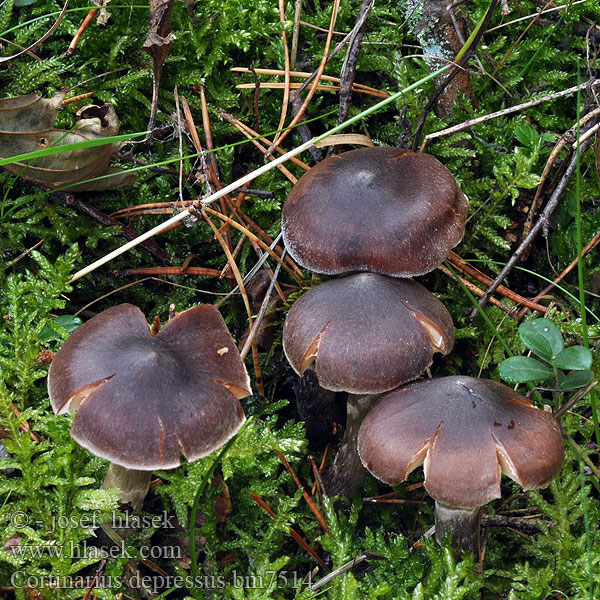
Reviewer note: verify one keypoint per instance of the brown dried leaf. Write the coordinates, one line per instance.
(158, 44)
(26, 125)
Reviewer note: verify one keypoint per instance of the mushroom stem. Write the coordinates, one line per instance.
(132, 483)
(461, 524)
(346, 474)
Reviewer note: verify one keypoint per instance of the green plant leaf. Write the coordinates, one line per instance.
(575, 358)
(576, 379)
(542, 337)
(53, 329)
(519, 369)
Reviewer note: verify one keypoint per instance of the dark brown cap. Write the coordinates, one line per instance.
(384, 210)
(141, 400)
(366, 333)
(465, 432)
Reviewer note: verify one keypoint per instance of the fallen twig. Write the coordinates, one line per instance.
(541, 222)
(589, 247)
(127, 232)
(500, 113)
(348, 71)
(48, 33)
(293, 532)
(84, 25)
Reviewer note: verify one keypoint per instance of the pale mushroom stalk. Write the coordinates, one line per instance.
(460, 524)
(133, 484)
(346, 475)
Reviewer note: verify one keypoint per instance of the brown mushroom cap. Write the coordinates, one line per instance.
(465, 432)
(366, 333)
(384, 210)
(141, 400)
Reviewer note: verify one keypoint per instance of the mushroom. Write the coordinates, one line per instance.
(384, 210)
(142, 397)
(366, 334)
(465, 432)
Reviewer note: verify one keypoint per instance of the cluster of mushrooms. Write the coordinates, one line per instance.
(375, 217)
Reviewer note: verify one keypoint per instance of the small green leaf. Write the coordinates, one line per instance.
(577, 379)
(575, 358)
(519, 369)
(526, 134)
(537, 343)
(532, 333)
(54, 328)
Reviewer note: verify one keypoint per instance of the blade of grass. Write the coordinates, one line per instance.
(588, 538)
(69, 10)
(580, 273)
(480, 309)
(253, 175)
(55, 149)
(542, 277)
(200, 492)
(580, 265)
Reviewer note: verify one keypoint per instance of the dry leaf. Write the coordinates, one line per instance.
(355, 139)
(27, 124)
(158, 44)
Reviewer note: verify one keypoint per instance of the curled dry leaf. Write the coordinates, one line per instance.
(158, 44)
(27, 125)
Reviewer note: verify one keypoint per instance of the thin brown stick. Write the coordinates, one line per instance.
(48, 33)
(21, 256)
(296, 33)
(541, 222)
(24, 425)
(158, 271)
(313, 89)
(250, 133)
(165, 208)
(96, 580)
(262, 148)
(240, 282)
(262, 244)
(348, 71)
(306, 75)
(476, 290)
(322, 29)
(265, 238)
(213, 174)
(313, 507)
(207, 130)
(588, 248)
(299, 539)
(84, 25)
(318, 479)
(465, 267)
(321, 87)
(286, 88)
(127, 232)
(518, 40)
(77, 98)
